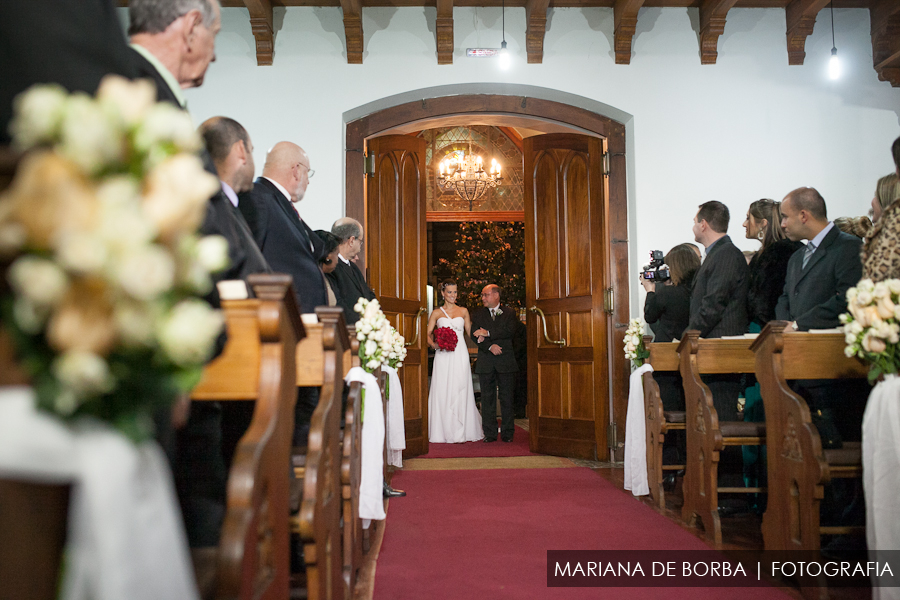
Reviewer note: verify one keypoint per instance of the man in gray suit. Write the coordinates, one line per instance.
(818, 276)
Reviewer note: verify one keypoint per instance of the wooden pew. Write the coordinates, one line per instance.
(706, 435)
(253, 559)
(320, 511)
(663, 357)
(798, 466)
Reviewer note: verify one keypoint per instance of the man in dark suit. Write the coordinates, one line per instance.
(173, 47)
(719, 308)
(493, 328)
(815, 294)
(347, 280)
(73, 43)
(288, 243)
(818, 276)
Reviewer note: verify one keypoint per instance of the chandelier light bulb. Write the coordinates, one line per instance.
(834, 65)
(504, 56)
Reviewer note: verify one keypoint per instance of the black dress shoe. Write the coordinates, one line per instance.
(489, 440)
(507, 439)
(390, 492)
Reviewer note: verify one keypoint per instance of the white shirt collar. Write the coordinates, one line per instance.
(346, 262)
(817, 241)
(280, 187)
(230, 193)
(165, 73)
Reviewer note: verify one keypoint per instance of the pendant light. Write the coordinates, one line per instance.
(504, 53)
(834, 64)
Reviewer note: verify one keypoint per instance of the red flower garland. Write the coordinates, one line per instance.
(445, 338)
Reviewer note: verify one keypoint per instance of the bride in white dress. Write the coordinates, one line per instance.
(452, 415)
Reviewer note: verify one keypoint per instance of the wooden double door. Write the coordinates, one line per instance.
(567, 275)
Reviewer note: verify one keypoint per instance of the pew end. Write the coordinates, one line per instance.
(658, 421)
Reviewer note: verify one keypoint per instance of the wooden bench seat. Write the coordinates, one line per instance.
(706, 435)
(798, 466)
(663, 358)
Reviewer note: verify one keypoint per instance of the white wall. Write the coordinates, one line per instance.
(748, 127)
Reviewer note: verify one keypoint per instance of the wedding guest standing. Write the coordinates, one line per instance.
(881, 249)
(768, 267)
(328, 261)
(348, 281)
(667, 308)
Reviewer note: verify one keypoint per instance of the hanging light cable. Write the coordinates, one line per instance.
(504, 53)
(834, 64)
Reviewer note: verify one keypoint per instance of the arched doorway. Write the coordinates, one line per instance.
(446, 106)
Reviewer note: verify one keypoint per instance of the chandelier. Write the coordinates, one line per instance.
(464, 174)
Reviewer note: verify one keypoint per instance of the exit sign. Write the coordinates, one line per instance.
(482, 52)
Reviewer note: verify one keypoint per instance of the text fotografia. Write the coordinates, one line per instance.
(709, 568)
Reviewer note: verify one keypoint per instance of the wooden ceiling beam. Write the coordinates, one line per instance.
(625, 14)
(885, 18)
(444, 32)
(801, 18)
(536, 17)
(353, 30)
(712, 25)
(263, 31)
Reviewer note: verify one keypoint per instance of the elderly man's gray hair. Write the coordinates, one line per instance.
(346, 228)
(154, 16)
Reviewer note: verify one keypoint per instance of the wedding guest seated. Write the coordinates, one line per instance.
(881, 248)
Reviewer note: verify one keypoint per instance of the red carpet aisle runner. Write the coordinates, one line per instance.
(485, 534)
(518, 447)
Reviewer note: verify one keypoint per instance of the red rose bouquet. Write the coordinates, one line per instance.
(445, 338)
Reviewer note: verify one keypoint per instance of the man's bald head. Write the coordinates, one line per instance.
(803, 214)
(288, 164)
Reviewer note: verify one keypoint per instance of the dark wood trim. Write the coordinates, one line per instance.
(536, 19)
(263, 31)
(885, 18)
(800, 16)
(440, 216)
(353, 31)
(712, 25)
(552, 3)
(443, 31)
(512, 135)
(617, 204)
(625, 15)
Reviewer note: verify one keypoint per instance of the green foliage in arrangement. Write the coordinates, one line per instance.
(487, 252)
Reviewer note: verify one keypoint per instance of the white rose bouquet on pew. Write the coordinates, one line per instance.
(373, 332)
(393, 348)
(872, 325)
(635, 351)
(98, 234)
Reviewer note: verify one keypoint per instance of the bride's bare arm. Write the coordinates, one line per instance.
(432, 321)
(468, 321)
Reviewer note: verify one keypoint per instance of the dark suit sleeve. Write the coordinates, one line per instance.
(721, 285)
(255, 212)
(782, 309)
(847, 273)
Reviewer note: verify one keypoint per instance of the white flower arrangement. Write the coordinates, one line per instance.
(872, 325)
(379, 342)
(104, 263)
(634, 343)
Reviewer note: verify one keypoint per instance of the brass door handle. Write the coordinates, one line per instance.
(540, 313)
(418, 327)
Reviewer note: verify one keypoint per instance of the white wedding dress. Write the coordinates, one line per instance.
(452, 415)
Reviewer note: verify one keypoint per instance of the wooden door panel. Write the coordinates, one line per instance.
(566, 252)
(578, 228)
(396, 242)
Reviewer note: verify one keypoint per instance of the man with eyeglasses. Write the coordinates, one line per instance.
(347, 280)
(286, 241)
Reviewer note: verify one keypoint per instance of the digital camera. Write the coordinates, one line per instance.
(656, 271)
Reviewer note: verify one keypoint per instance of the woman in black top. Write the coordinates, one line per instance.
(668, 306)
(768, 267)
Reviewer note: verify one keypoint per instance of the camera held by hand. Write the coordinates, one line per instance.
(656, 271)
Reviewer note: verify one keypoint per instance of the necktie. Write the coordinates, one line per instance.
(810, 248)
(493, 314)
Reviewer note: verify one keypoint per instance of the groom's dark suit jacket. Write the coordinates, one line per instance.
(349, 286)
(288, 244)
(719, 297)
(502, 329)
